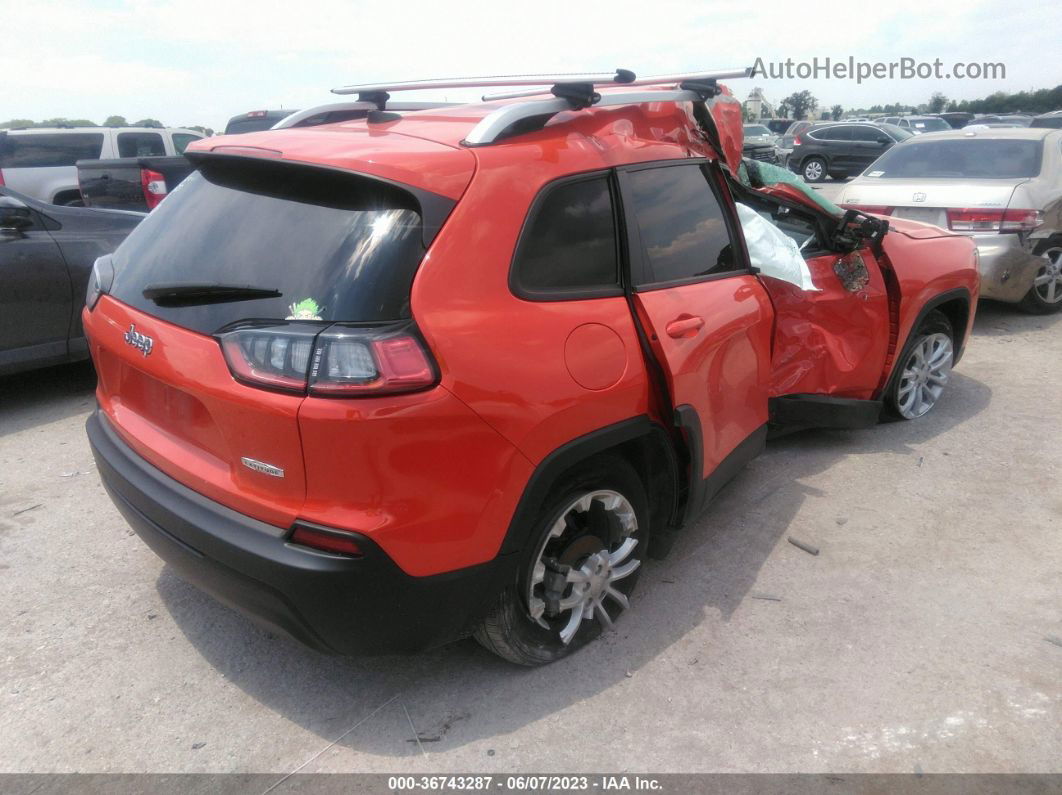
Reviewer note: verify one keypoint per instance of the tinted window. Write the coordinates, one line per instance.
(683, 230)
(48, 149)
(570, 241)
(1054, 122)
(139, 144)
(756, 129)
(839, 133)
(863, 133)
(181, 141)
(895, 132)
(349, 244)
(968, 158)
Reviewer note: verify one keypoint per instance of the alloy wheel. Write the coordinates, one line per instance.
(924, 375)
(580, 565)
(813, 171)
(1048, 282)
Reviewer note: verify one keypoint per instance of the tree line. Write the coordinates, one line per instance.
(804, 105)
(110, 121)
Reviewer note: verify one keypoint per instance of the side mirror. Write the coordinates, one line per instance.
(15, 217)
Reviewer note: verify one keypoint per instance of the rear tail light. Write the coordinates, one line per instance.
(1, 178)
(326, 540)
(796, 140)
(976, 219)
(154, 185)
(99, 281)
(870, 208)
(340, 361)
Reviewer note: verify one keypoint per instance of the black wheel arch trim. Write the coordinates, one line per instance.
(550, 469)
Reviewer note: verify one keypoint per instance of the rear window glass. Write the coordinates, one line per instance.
(569, 244)
(46, 150)
(929, 125)
(963, 158)
(137, 144)
(683, 230)
(181, 141)
(248, 124)
(335, 245)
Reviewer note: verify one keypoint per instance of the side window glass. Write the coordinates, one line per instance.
(181, 141)
(860, 133)
(683, 229)
(135, 144)
(569, 242)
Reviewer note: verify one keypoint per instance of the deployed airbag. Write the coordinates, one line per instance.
(772, 251)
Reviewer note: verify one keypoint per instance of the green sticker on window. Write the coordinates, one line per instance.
(306, 309)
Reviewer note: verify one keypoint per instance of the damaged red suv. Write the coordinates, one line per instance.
(387, 383)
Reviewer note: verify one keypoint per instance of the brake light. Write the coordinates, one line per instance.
(1, 178)
(154, 185)
(871, 208)
(796, 140)
(326, 540)
(341, 361)
(977, 219)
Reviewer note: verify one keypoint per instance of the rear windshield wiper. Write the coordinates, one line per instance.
(185, 294)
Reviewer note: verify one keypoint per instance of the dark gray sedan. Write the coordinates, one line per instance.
(46, 255)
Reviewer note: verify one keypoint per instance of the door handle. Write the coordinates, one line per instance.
(684, 326)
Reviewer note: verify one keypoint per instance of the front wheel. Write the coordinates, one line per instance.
(584, 559)
(814, 169)
(1045, 296)
(926, 368)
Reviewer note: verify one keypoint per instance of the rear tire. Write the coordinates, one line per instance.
(813, 169)
(596, 542)
(1045, 296)
(924, 370)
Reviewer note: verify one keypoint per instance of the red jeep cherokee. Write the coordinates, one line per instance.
(386, 383)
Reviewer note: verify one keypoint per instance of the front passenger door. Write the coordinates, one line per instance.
(35, 300)
(707, 317)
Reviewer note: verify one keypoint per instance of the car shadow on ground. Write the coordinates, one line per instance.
(460, 694)
(40, 397)
(995, 319)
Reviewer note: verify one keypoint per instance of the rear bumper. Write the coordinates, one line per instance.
(334, 604)
(1007, 269)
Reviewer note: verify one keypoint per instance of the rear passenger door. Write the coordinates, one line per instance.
(707, 317)
(867, 145)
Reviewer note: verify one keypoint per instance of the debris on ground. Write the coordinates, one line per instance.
(801, 545)
(27, 510)
(766, 597)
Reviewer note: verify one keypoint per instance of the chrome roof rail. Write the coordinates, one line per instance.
(652, 80)
(620, 76)
(570, 91)
(295, 119)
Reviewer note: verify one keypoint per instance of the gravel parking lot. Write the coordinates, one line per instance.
(926, 635)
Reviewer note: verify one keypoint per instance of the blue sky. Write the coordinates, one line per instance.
(202, 61)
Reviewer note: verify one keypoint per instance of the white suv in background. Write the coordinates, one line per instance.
(39, 162)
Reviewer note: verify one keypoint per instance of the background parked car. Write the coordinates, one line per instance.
(841, 150)
(46, 255)
(917, 124)
(777, 126)
(1020, 119)
(1003, 187)
(957, 119)
(40, 162)
(1052, 120)
(785, 143)
(760, 143)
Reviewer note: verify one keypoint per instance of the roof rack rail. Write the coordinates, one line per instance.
(343, 111)
(619, 76)
(571, 91)
(652, 80)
